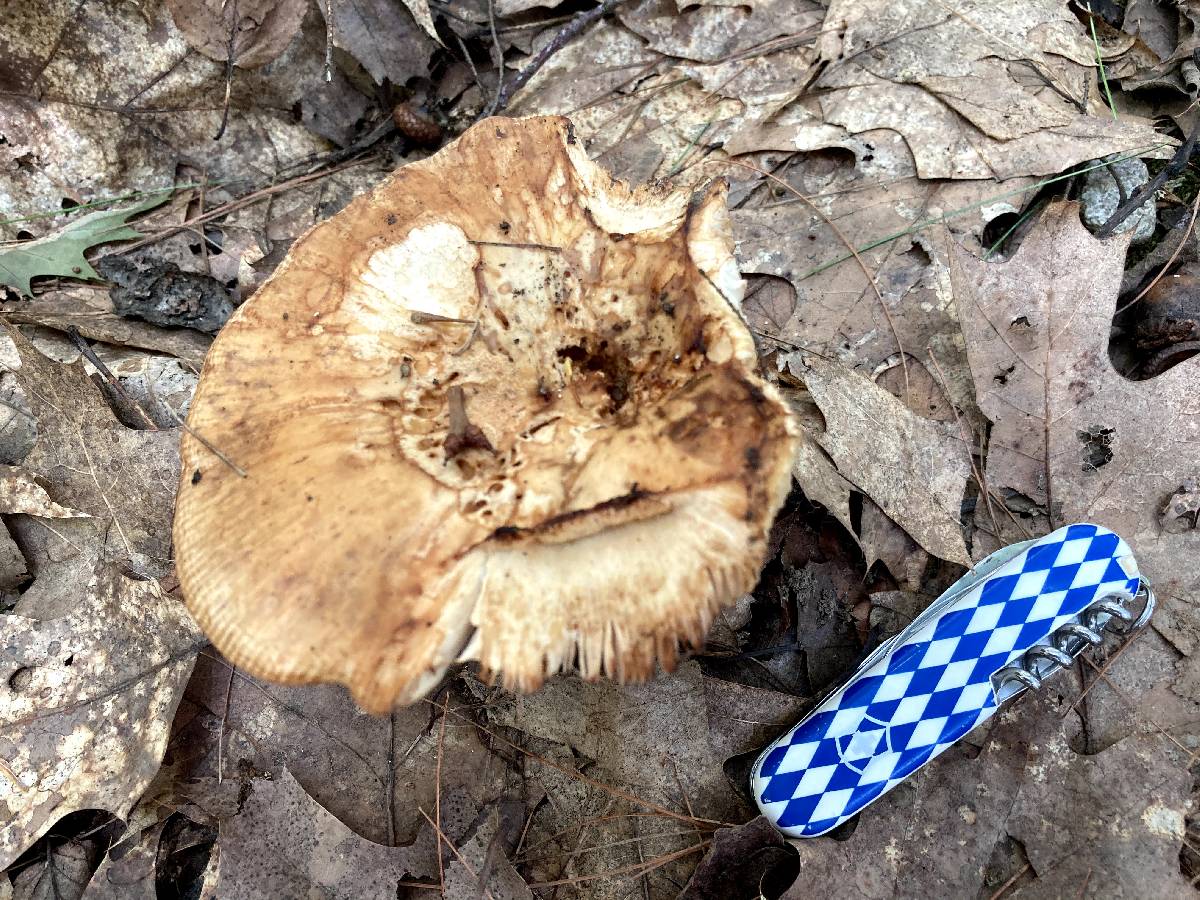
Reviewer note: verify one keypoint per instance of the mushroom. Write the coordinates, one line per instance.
(501, 408)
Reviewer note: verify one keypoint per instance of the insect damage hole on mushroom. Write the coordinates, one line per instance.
(501, 408)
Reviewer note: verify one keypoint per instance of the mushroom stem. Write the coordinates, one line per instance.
(462, 435)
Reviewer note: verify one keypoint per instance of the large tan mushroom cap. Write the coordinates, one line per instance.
(579, 468)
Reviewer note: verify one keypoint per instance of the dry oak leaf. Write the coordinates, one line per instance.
(876, 202)
(915, 469)
(285, 844)
(122, 477)
(979, 90)
(532, 433)
(86, 704)
(381, 37)
(1069, 431)
(712, 32)
(85, 69)
(250, 32)
(639, 135)
(20, 493)
(228, 722)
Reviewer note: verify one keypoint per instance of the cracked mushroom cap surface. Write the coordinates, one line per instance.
(502, 408)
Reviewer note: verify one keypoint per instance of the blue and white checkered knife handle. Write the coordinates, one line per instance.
(1023, 613)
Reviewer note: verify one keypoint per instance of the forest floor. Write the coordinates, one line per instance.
(919, 193)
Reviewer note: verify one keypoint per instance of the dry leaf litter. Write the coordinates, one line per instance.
(966, 363)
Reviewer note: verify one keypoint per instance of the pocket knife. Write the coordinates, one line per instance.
(1024, 612)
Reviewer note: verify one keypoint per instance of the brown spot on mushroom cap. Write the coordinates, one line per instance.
(627, 464)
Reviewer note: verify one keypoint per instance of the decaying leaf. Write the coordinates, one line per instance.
(61, 875)
(1154, 25)
(20, 493)
(643, 749)
(749, 861)
(420, 12)
(862, 192)
(90, 312)
(384, 38)
(87, 703)
(123, 478)
(229, 724)
(77, 116)
(251, 33)
(284, 844)
(62, 253)
(821, 481)
(129, 868)
(633, 113)
(540, 370)
(708, 32)
(915, 469)
(14, 570)
(1070, 432)
(481, 865)
(626, 730)
(987, 90)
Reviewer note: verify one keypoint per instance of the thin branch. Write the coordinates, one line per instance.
(564, 36)
(1146, 192)
(437, 798)
(113, 382)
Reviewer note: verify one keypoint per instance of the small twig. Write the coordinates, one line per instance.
(328, 40)
(1083, 887)
(1187, 234)
(234, 205)
(437, 798)
(470, 62)
(424, 318)
(575, 851)
(635, 869)
(90, 355)
(1003, 889)
(230, 56)
(238, 470)
(499, 51)
(1100, 62)
(442, 836)
(224, 725)
(391, 780)
(564, 35)
(1101, 675)
(549, 248)
(1146, 192)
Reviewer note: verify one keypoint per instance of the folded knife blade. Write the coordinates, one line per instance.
(1023, 613)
